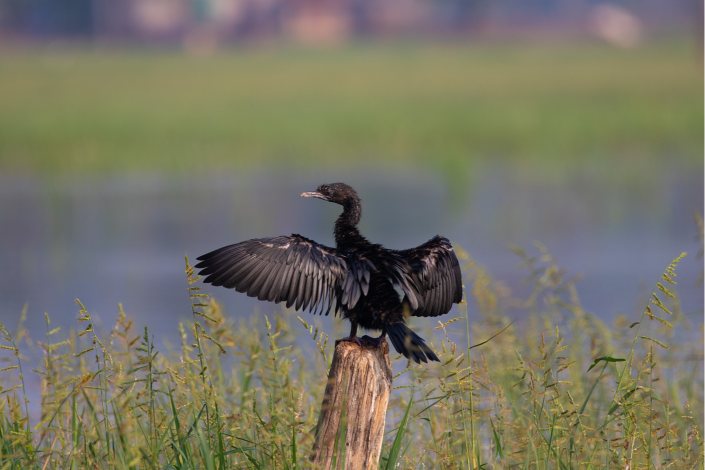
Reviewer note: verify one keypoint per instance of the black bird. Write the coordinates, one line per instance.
(372, 286)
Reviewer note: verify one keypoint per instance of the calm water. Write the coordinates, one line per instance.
(122, 239)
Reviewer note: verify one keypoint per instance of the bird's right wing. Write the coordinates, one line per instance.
(293, 269)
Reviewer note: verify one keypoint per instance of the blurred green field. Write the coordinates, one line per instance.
(444, 105)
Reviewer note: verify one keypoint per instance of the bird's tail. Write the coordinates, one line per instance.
(409, 344)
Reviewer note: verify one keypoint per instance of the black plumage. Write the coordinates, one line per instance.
(372, 286)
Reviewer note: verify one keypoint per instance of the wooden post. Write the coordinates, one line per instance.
(351, 424)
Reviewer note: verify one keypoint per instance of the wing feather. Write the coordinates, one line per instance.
(268, 292)
(293, 287)
(301, 291)
(290, 269)
(317, 294)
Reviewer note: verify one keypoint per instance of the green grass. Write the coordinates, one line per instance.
(441, 105)
(563, 390)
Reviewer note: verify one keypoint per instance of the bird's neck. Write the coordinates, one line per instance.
(346, 226)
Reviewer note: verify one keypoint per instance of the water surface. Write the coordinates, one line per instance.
(122, 238)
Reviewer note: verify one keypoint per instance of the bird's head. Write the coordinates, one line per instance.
(339, 193)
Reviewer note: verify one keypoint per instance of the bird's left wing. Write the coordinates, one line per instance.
(291, 269)
(434, 276)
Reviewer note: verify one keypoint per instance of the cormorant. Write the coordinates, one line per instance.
(372, 286)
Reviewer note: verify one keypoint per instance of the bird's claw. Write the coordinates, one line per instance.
(351, 339)
(364, 341)
(377, 342)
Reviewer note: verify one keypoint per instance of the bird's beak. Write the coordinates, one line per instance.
(315, 194)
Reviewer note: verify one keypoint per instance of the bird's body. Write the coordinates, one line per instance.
(372, 286)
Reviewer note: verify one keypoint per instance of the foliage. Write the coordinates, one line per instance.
(559, 390)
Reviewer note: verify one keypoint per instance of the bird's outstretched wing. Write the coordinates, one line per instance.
(435, 276)
(293, 269)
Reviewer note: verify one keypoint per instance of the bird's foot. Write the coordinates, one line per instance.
(351, 339)
(377, 342)
(365, 341)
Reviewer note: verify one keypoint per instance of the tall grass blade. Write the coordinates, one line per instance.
(395, 450)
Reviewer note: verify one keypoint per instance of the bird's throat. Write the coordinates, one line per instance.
(346, 225)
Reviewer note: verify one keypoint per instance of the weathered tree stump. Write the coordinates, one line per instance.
(351, 424)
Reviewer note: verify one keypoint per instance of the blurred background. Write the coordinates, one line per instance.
(134, 133)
